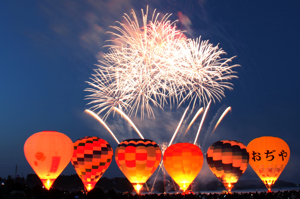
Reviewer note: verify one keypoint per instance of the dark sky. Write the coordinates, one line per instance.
(48, 49)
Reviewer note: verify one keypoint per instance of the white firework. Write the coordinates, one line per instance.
(154, 64)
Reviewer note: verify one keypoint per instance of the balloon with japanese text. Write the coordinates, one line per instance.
(138, 159)
(228, 160)
(268, 157)
(183, 162)
(48, 153)
(91, 157)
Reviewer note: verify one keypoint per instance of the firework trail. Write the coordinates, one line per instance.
(211, 132)
(154, 64)
(102, 122)
(193, 120)
(220, 119)
(177, 129)
(201, 123)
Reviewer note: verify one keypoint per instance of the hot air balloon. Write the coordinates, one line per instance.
(228, 160)
(48, 153)
(91, 157)
(183, 162)
(138, 159)
(268, 157)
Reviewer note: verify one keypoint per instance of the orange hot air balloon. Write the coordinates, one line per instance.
(183, 162)
(268, 157)
(91, 157)
(48, 153)
(138, 159)
(228, 160)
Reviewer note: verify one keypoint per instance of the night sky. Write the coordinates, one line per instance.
(48, 50)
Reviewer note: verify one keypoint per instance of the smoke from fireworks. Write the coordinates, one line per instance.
(154, 64)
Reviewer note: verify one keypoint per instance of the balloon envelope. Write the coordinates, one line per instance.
(183, 162)
(228, 160)
(138, 159)
(268, 157)
(48, 153)
(91, 157)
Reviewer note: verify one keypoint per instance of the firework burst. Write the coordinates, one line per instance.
(151, 63)
(205, 73)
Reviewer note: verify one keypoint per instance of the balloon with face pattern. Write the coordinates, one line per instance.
(48, 153)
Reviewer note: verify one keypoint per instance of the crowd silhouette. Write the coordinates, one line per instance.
(21, 191)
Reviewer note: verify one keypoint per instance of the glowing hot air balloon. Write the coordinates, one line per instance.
(183, 162)
(138, 159)
(268, 157)
(91, 157)
(48, 153)
(228, 160)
